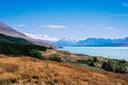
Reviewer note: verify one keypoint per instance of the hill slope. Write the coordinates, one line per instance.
(13, 40)
(9, 31)
(26, 70)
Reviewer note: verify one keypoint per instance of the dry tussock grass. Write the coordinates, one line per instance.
(29, 71)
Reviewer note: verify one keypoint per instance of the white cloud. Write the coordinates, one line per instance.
(54, 26)
(41, 37)
(20, 25)
(125, 4)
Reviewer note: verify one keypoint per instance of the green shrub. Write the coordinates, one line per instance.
(123, 69)
(122, 61)
(107, 66)
(91, 62)
(36, 54)
(19, 49)
(95, 59)
(117, 67)
(55, 57)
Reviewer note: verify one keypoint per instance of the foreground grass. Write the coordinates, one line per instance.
(31, 71)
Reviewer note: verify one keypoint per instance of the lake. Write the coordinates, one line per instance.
(108, 52)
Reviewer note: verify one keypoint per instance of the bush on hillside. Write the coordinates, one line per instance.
(36, 54)
(123, 69)
(55, 57)
(22, 49)
(95, 59)
(115, 67)
(89, 62)
(107, 66)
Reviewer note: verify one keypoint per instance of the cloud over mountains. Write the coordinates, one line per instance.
(41, 37)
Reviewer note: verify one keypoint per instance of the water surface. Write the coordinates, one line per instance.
(108, 52)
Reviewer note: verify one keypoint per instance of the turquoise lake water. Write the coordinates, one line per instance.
(108, 52)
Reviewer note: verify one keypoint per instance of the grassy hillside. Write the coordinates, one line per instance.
(27, 70)
(112, 65)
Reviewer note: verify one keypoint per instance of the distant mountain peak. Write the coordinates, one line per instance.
(68, 40)
(127, 38)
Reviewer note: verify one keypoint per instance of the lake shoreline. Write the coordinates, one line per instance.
(98, 62)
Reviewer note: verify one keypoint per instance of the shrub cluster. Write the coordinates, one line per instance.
(55, 57)
(19, 50)
(89, 62)
(36, 54)
(113, 65)
(117, 67)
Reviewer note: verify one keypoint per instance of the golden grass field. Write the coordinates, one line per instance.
(30, 71)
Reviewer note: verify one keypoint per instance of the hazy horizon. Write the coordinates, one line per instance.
(79, 19)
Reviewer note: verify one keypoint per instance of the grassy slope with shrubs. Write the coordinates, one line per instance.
(31, 71)
(112, 65)
(116, 66)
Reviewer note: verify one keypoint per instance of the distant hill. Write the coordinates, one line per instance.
(94, 42)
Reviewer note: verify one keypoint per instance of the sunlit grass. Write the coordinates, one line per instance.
(26, 70)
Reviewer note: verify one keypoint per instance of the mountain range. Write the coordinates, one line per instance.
(10, 35)
(63, 42)
(93, 42)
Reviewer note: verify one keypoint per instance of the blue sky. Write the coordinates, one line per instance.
(74, 19)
